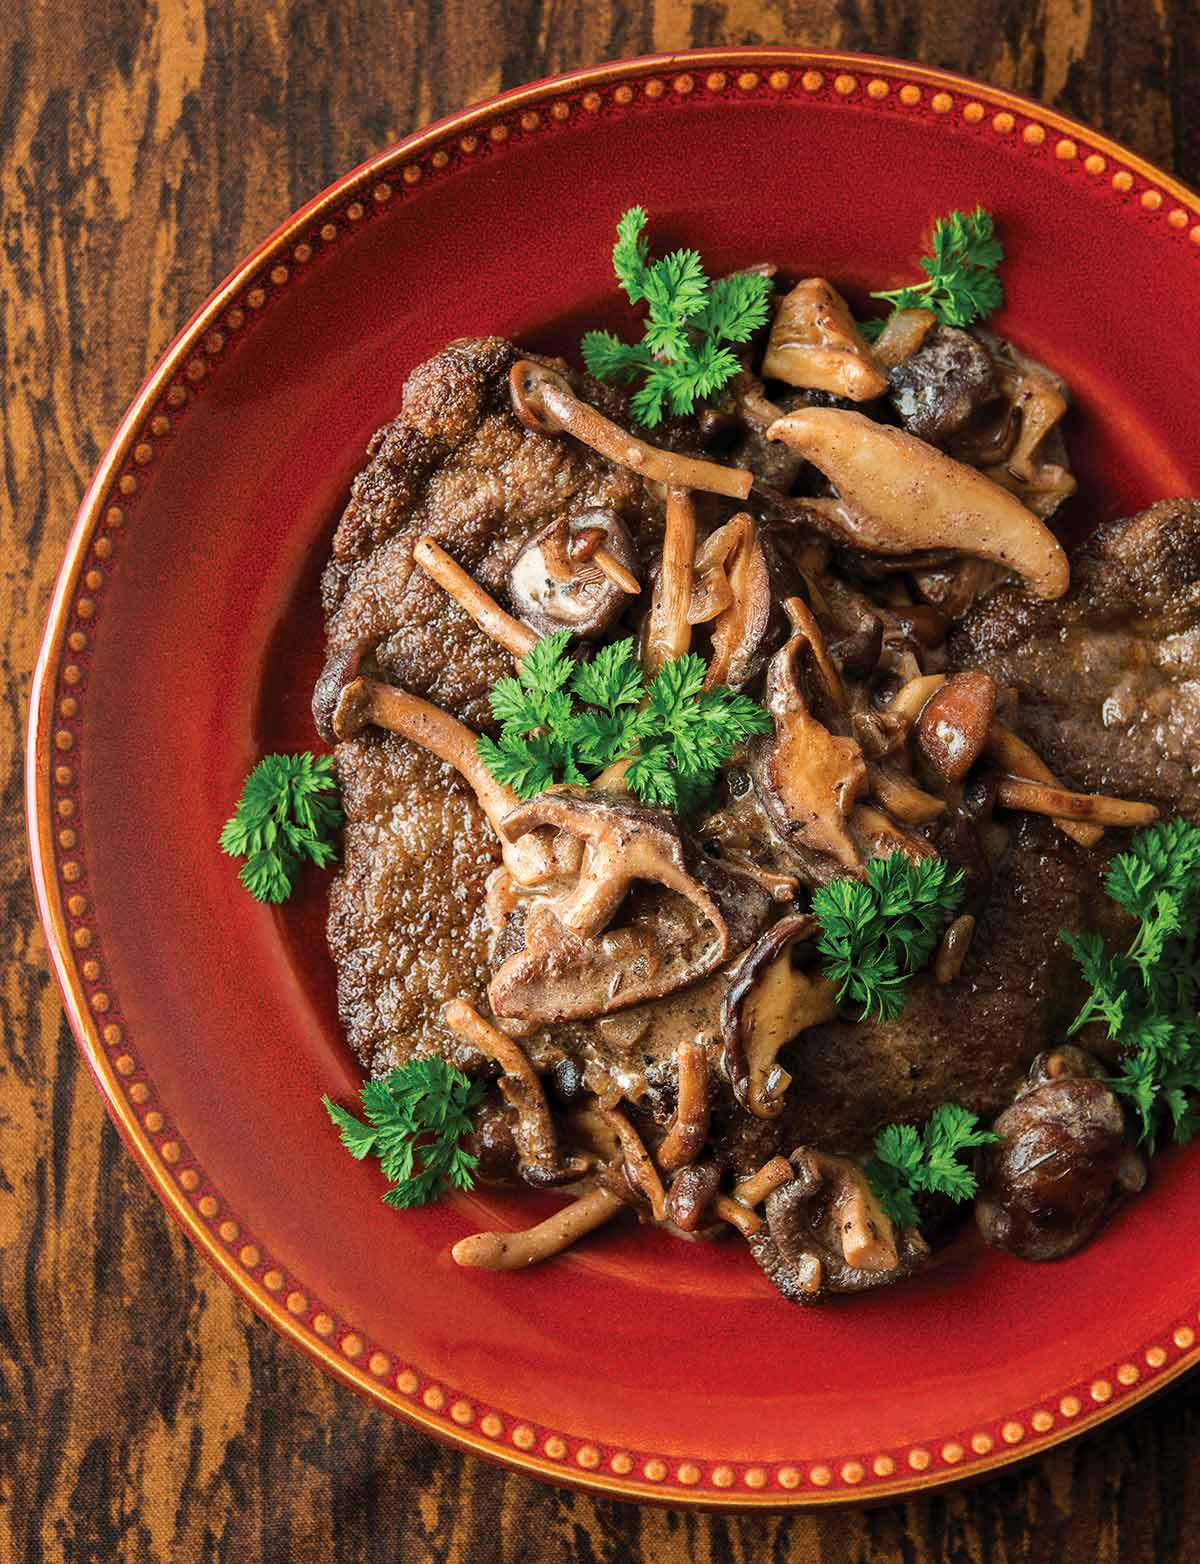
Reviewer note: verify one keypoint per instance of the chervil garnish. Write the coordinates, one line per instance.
(688, 320)
(416, 1118)
(908, 1160)
(283, 817)
(961, 284)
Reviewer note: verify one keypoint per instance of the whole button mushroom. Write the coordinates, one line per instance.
(952, 730)
(1061, 1164)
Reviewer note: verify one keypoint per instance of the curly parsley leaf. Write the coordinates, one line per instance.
(908, 1160)
(961, 284)
(565, 722)
(876, 936)
(416, 1118)
(283, 817)
(689, 319)
(1147, 996)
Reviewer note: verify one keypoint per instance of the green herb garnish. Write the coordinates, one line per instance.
(876, 937)
(1147, 995)
(961, 285)
(416, 1117)
(907, 1160)
(688, 320)
(282, 818)
(562, 721)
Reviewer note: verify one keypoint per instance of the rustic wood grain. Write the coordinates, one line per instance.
(144, 1414)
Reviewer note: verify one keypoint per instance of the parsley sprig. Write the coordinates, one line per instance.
(562, 721)
(283, 817)
(689, 319)
(416, 1117)
(1147, 996)
(908, 1160)
(876, 936)
(961, 285)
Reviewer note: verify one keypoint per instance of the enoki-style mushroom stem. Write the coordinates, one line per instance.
(685, 1139)
(1020, 761)
(669, 634)
(737, 1215)
(535, 1133)
(640, 1170)
(615, 571)
(498, 626)
(1040, 798)
(769, 1177)
(512, 1251)
(910, 699)
(544, 402)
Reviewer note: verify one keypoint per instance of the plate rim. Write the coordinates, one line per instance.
(837, 76)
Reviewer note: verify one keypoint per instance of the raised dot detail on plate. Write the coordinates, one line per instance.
(654, 89)
(877, 89)
(1003, 122)
(160, 423)
(590, 102)
(85, 608)
(197, 368)
(523, 1436)
(208, 1207)
(382, 193)
(982, 1443)
(127, 483)
(1122, 180)
(154, 1121)
(910, 95)
(1101, 1390)
(1042, 1421)
(71, 870)
(621, 1463)
(462, 1412)
(684, 84)
(1094, 163)
(352, 1345)
(64, 776)
(66, 808)
(68, 707)
(1177, 217)
(1184, 1337)
(379, 1363)
(469, 144)
(1070, 1406)
(748, 80)
(101, 1002)
(715, 81)
(883, 1466)
(1128, 1374)
(1033, 135)
(688, 1474)
(952, 1453)
(755, 1477)
(189, 1179)
(499, 132)
(941, 103)
(177, 395)
(1156, 1356)
(853, 1473)
(491, 1425)
(844, 85)
(64, 739)
(143, 453)
(812, 81)
(722, 1476)
(588, 1457)
(820, 1475)
(779, 80)
(279, 275)
(322, 1323)
(530, 120)
(919, 1460)
(250, 1256)
(1151, 200)
(112, 1032)
(441, 157)
(655, 1470)
(406, 1382)
(411, 175)
(1194, 235)
(68, 838)
(169, 1151)
(272, 1280)
(328, 231)
(93, 580)
(103, 548)
(214, 342)
(124, 1064)
(1013, 1432)
(139, 1092)
(355, 211)
(973, 113)
(555, 1447)
(77, 640)
(1065, 150)
(559, 111)
(302, 253)
(623, 94)
(76, 904)
(229, 1231)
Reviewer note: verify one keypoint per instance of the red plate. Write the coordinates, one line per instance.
(181, 645)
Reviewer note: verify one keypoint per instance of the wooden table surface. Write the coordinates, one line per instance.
(145, 1415)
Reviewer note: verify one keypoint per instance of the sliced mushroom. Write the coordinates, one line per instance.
(954, 724)
(514, 637)
(668, 632)
(733, 590)
(902, 335)
(771, 999)
(952, 950)
(878, 836)
(815, 344)
(898, 496)
(537, 1142)
(810, 779)
(545, 403)
(1018, 443)
(572, 966)
(1062, 1162)
(558, 582)
(344, 703)
(826, 1232)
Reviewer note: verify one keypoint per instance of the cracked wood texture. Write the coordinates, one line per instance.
(145, 1415)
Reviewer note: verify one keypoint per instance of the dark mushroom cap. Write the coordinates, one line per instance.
(583, 601)
(940, 386)
(744, 1064)
(953, 728)
(336, 714)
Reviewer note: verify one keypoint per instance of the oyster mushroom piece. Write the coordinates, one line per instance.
(809, 778)
(345, 702)
(825, 1232)
(814, 344)
(545, 403)
(771, 999)
(899, 496)
(575, 574)
(572, 965)
(1062, 1163)
(733, 591)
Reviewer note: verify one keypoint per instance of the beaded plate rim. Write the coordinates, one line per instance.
(59, 867)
